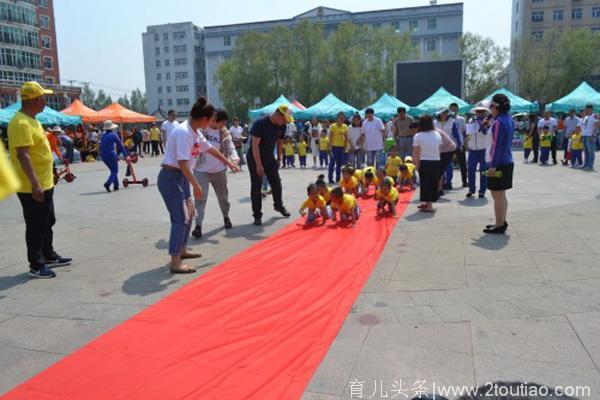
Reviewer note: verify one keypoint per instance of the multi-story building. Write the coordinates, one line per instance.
(435, 31)
(533, 19)
(173, 66)
(28, 51)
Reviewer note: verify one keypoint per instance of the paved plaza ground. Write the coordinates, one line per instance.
(445, 303)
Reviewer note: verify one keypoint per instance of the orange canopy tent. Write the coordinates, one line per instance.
(121, 115)
(78, 109)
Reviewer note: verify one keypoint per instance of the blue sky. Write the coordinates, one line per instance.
(101, 41)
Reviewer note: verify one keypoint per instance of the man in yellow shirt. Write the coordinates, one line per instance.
(155, 139)
(338, 141)
(32, 160)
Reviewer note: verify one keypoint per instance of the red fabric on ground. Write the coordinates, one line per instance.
(255, 327)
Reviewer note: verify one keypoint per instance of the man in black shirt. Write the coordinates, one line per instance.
(266, 133)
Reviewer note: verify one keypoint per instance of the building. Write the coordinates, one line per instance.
(173, 66)
(533, 19)
(28, 51)
(435, 30)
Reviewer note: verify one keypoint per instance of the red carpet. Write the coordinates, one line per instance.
(255, 327)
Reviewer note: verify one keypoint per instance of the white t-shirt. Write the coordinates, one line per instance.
(290, 130)
(429, 143)
(373, 135)
(389, 128)
(236, 132)
(207, 162)
(589, 125)
(354, 133)
(550, 122)
(187, 144)
(167, 128)
(571, 123)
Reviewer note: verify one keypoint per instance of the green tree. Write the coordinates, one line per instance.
(484, 61)
(137, 101)
(309, 50)
(124, 101)
(88, 96)
(102, 100)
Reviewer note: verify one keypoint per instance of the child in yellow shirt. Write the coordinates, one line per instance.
(408, 161)
(576, 148)
(315, 204)
(288, 150)
(369, 179)
(324, 149)
(387, 195)
(545, 145)
(382, 176)
(349, 183)
(393, 163)
(346, 204)
(302, 146)
(323, 189)
(527, 146)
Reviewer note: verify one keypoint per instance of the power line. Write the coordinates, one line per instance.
(111, 89)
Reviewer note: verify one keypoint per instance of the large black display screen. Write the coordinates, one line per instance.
(416, 81)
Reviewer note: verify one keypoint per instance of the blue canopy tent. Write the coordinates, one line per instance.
(269, 108)
(440, 99)
(47, 117)
(517, 104)
(328, 107)
(386, 107)
(583, 95)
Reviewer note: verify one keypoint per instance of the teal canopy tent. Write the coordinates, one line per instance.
(517, 104)
(328, 107)
(47, 117)
(440, 99)
(386, 107)
(583, 95)
(269, 108)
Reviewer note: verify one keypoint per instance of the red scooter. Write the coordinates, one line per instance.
(66, 171)
(130, 161)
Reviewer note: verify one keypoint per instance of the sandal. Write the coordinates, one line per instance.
(190, 254)
(427, 210)
(182, 269)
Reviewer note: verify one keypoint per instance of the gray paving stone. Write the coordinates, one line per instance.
(20, 364)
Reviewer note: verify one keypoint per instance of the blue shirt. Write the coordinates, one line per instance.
(503, 129)
(107, 145)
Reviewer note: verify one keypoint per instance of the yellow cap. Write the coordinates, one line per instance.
(31, 90)
(286, 111)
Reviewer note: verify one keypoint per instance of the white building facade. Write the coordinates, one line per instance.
(174, 66)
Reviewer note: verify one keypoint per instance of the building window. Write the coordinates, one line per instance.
(19, 36)
(595, 29)
(558, 15)
(158, 77)
(413, 24)
(19, 59)
(595, 12)
(376, 25)
(168, 76)
(166, 49)
(50, 80)
(169, 102)
(167, 63)
(182, 48)
(179, 35)
(47, 62)
(227, 41)
(431, 45)
(182, 88)
(181, 61)
(160, 89)
(181, 75)
(183, 102)
(160, 102)
(165, 36)
(396, 26)
(168, 89)
(538, 1)
(537, 35)
(517, 8)
(44, 22)
(431, 24)
(157, 51)
(537, 16)
(516, 26)
(46, 42)
(156, 37)
(576, 13)
(158, 63)
(43, 3)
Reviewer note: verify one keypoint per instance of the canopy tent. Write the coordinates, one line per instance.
(269, 108)
(121, 115)
(440, 99)
(298, 105)
(517, 104)
(328, 107)
(47, 117)
(583, 95)
(386, 107)
(77, 108)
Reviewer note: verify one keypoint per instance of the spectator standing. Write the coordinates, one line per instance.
(402, 132)
(374, 134)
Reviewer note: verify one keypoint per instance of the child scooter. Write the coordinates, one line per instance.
(130, 161)
(66, 171)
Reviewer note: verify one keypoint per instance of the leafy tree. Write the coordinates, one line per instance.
(88, 96)
(484, 61)
(124, 101)
(138, 101)
(102, 100)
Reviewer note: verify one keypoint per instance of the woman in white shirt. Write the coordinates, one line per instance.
(314, 130)
(426, 157)
(175, 176)
(356, 149)
(212, 170)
